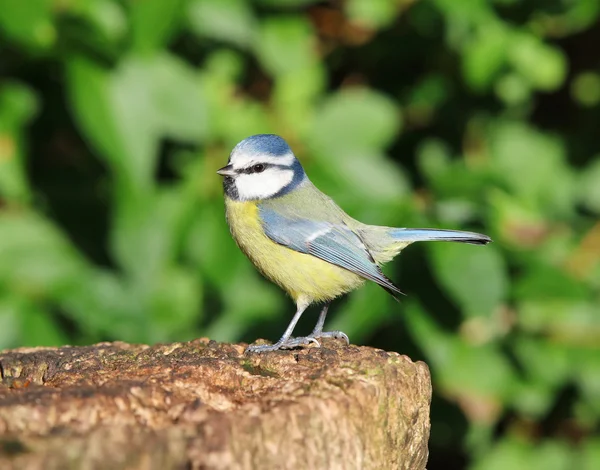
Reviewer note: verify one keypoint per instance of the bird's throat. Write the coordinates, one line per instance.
(230, 188)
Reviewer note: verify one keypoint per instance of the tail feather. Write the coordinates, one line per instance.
(410, 235)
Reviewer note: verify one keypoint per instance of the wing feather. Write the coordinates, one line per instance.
(332, 242)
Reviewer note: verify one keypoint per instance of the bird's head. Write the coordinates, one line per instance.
(261, 166)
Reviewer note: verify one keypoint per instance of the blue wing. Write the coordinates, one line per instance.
(331, 242)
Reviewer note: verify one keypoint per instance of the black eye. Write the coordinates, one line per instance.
(259, 168)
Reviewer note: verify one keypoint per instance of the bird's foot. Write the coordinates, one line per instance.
(289, 343)
(329, 334)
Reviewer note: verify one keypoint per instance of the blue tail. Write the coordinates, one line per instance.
(410, 235)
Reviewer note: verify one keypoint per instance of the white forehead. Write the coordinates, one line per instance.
(244, 160)
(261, 148)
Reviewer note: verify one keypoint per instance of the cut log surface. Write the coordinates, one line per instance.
(206, 405)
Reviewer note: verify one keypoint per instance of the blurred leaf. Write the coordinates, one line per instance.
(37, 260)
(242, 119)
(586, 361)
(295, 95)
(39, 328)
(518, 223)
(11, 311)
(475, 277)
(224, 65)
(153, 22)
(247, 298)
(155, 308)
(178, 99)
(485, 55)
(585, 89)
(102, 304)
(17, 106)
(433, 158)
(147, 232)
(574, 321)
(121, 131)
(472, 11)
(285, 45)
(513, 89)
(534, 356)
(429, 94)
(589, 454)
(372, 13)
(354, 121)
(287, 3)
(211, 247)
(545, 282)
(542, 64)
(353, 319)
(175, 305)
(230, 21)
(533, 165)
(533, 399)
(107, 16)
(456, 211)
(371, 175)
(435, 342)
(517, 455)
(589, 187)
(30, 22)
(580, 15)
(125, 113)
(473, 372)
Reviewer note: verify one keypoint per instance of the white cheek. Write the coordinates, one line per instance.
(263, 185)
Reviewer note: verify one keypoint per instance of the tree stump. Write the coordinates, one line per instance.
(205, 405)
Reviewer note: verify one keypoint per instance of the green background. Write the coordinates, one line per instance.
(115, 115)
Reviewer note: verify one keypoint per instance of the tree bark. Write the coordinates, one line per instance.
(205, 405)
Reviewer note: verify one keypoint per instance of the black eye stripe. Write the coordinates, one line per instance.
(261, 167)
(257, 168)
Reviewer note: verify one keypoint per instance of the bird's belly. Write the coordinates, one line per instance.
(301, 275)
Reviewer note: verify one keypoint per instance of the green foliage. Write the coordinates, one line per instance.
(114, 116)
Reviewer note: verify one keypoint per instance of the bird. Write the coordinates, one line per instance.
(301, 240)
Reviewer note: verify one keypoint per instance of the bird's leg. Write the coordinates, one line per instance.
(286, 341)
(319, 333)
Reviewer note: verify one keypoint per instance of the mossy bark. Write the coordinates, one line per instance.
(205, 405)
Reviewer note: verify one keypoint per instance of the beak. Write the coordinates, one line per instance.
(227, 171)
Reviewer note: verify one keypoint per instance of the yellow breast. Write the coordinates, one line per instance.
(304, 277)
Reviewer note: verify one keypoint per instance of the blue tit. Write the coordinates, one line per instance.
(301, 239)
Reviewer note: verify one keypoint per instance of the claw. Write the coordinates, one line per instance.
(330, 334)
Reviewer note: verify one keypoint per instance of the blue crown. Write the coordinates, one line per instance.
(269, 144)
